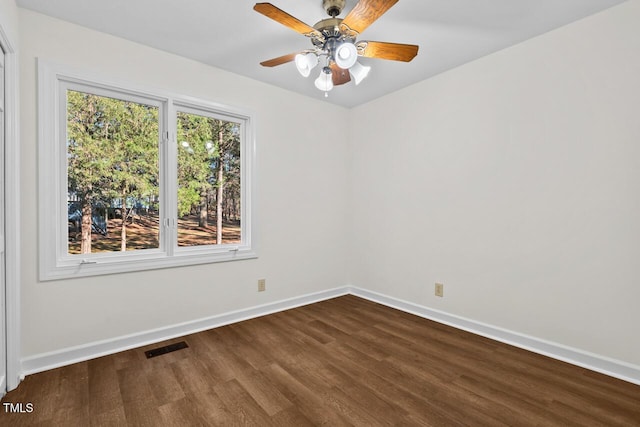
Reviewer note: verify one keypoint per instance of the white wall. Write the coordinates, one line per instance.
(515, 181)
(298, 174)
(9, 19)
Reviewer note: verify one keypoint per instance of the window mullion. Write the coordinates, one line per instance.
(169, 180)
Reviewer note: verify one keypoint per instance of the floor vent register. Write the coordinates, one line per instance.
(166, 349)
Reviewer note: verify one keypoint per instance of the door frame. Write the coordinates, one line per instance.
(12, 213)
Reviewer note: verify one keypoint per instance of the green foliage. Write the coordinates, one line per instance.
(196, 153)
(204, 142)
(112, 147)
(113, 156)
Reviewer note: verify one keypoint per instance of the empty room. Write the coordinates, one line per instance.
(320, 212)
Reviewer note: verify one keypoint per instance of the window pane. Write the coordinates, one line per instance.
(112, 174)
(208, 180)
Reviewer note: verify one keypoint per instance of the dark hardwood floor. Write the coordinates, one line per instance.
(345, 361)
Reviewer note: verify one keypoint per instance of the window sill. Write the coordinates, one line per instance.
(90, 266)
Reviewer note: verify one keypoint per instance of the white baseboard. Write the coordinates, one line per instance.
(68, 356)
(594, 362)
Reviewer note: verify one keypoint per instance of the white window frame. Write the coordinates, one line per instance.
(55, 262)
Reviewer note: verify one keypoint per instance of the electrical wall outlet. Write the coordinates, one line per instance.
(439, 290)
(262, 285)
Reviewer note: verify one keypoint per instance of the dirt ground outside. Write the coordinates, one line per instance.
(143, 232)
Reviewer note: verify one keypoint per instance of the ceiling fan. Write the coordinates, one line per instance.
(334, 40)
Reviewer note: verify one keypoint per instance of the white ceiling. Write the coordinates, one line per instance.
(229, 34)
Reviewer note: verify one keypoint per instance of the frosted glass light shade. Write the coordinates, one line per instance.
(346, 55)
(359, 72)
(305, 63)
(324, 82)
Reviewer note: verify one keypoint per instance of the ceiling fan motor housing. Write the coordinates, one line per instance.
(333, 7)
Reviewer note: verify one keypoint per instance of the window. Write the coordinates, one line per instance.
(133, 179)
(112, 172)
(209, 171)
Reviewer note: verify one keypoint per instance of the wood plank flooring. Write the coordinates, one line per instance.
(341, 362)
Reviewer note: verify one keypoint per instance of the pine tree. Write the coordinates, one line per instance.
(112, 153)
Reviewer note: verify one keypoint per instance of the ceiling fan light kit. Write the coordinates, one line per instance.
(334, 39)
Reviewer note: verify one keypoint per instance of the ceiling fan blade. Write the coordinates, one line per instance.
(365, 13)
(339, 76)
(392, 51)
(279, 60)
(270, 11)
